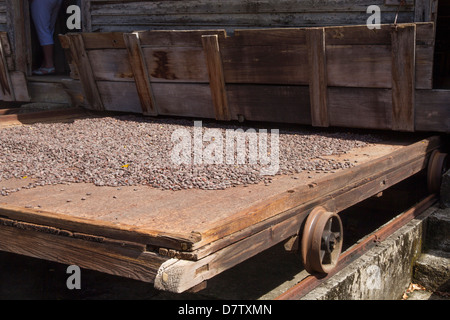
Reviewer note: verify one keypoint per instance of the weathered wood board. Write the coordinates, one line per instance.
(346, 76)
(125, 15)
(178, 239)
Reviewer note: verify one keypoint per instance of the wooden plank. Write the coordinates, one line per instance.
(177, 38)
(281, 104)
(360, 108)
(65, 45)
(266, 37)
(86, 15)
(238, 20)
(19, 33)
(104, 257)
(141, 76)
(216, 77)
(266, 64)
(81, 60)
(433, 110)
(98, 228)
(359, 66)
(120, 96)
(403, 77)
(104, 40)
(422, 11)
(176, 64)
(318, 77)
(186, 100)
(20, 86)
(75, 91)
(233, 6)
(111, 65)
(399, 2)
(7, 89)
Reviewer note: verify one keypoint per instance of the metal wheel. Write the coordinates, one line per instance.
(437, 166)
(321, 241)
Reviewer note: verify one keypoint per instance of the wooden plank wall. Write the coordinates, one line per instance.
(359, 78)
(3, 16)
(128, 15)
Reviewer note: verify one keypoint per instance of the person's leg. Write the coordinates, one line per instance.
(48, 56)
(44, 14)
(54, 8)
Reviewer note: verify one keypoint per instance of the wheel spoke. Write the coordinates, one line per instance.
(328, 225)
(321, 241)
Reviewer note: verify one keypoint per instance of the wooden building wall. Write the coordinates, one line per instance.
(3, 17)
(127, 15)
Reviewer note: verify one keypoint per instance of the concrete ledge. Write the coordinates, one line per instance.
(438, 231)
(432, 271)
(384, 273)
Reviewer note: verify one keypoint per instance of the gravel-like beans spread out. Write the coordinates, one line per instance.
(133, 150)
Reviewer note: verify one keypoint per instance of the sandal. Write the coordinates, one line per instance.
(44, 71)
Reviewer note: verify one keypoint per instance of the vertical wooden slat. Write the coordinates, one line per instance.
(422, 11)
(65, 45)
(140, 71)
(315, 40)
(81, 60)
(403, 76)
(216, 76)
(18, 32)
(7, 91)
(86, 22)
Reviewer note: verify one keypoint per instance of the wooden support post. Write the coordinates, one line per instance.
(216, 76)
(86, 16)
(7, 91)
(315, 39)
(140, 71)
(81, 60)
(403, 77)
(17, 14)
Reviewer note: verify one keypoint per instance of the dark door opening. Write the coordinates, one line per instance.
(61, 65)
(442, 48)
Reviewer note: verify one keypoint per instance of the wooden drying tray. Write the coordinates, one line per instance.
(177, 240)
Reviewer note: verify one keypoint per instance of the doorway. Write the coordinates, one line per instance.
(61, 65)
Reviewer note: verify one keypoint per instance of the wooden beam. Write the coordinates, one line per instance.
(422, 11)
(107, 256)
(140, 72)
(20, 86)
(216, 76)
(7, 90)
(86, 16)
(81, 60)
(315, 40)
(403, 77)
(17, 15)
(433, 110)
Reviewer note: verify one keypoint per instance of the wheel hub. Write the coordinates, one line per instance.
(321, 241)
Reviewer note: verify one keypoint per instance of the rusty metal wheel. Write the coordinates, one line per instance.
(321, 241)
(437, 166)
